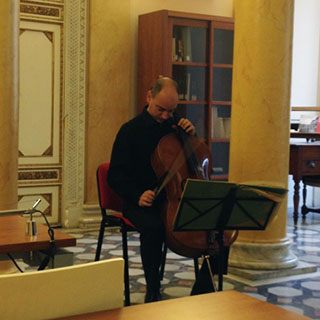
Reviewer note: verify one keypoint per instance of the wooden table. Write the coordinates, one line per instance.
(223, 305)
(13, 237)
(304, 161)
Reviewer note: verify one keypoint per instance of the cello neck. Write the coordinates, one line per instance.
(196, 169)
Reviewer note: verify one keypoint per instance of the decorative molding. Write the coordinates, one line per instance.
(49, 35)
(54, 2)
(46, 209)
(50, 204)
(91, 217)
(36, 175)
(75, 106)
(42, 10)
(47, 152)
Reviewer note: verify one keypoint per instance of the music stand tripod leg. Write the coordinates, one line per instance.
(220, 260)
(206, 258)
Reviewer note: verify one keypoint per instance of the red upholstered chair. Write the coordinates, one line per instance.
(109, 200)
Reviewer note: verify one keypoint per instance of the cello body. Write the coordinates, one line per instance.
(171, 153)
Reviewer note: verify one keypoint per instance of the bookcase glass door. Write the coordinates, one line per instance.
(189, 44)
(221, 100)
(190, 68)
(191, 82)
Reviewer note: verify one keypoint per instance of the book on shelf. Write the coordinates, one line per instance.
(174, 50)
(218, 126)
(181, 44)
(180, 77)
(227, 127)
(187, 89)
(186, 41)
(181, 80)
(217, 170)
(180, 50)
(187, 84)
(193, 90)
(221, 125)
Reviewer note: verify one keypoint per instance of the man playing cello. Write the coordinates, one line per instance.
(131, 174)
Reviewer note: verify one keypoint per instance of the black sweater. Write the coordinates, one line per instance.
(131, 171)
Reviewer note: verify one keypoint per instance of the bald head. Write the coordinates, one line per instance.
(161, 83)
(162, 99)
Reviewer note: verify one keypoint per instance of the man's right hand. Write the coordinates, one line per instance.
(146, 199)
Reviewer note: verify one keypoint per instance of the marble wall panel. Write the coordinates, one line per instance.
(40, 106)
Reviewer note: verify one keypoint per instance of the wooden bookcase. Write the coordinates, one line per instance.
(197, 51)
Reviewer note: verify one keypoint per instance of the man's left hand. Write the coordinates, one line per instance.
(187, 126)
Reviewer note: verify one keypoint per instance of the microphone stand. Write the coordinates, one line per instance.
(31, 230)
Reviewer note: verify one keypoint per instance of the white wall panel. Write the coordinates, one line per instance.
(40, 103)
(41, 106)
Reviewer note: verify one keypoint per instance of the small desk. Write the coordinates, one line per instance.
(304, 161)
(315, 135)
(13, 237)
(222, 305)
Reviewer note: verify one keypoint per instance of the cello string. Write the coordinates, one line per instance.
(177, 164)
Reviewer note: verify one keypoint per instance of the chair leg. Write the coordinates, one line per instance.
(304, 209)
(100, 240)
(126, 264)
(163, 260)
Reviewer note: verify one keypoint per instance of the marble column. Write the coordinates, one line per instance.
(8, 103)
(259, 146)
(9, 25)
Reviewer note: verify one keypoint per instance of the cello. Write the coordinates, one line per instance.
(177, 157)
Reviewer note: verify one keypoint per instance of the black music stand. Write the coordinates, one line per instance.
(219, 206)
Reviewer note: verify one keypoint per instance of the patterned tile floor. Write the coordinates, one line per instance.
(299, 293)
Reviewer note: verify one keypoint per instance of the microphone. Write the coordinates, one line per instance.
(33, 209)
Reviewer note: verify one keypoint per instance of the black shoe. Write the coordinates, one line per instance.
(152, 296)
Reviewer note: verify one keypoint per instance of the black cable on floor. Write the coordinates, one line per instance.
(14, 262)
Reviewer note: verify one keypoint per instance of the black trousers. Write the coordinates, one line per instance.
(152, 237)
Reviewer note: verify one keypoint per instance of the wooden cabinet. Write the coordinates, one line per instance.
(196, 51)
